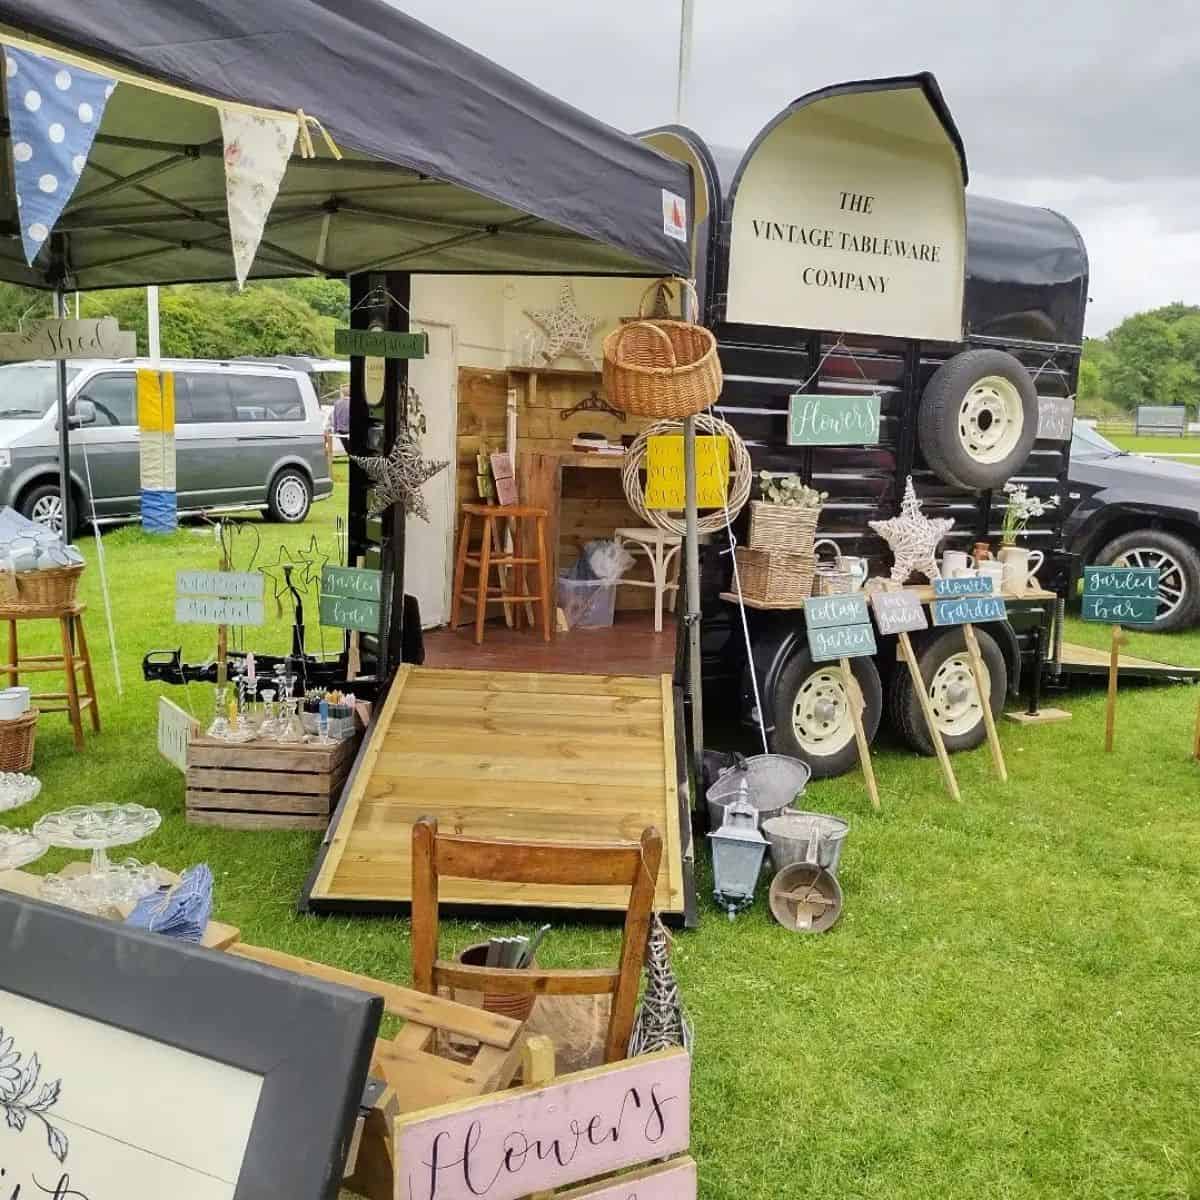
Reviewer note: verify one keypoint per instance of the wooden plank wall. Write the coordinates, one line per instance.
(593, 501)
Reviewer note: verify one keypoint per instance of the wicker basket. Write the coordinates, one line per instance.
(829, 578)
(774, 576)
(661, 369)
(39, 591)
(782, 527)
(16, 741)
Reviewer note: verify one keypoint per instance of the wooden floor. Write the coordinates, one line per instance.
(1086, 660)
(629, 647)
(552, 757)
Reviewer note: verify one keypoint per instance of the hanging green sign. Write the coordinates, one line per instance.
(350, 598)
(379, 343)
(1120, 595)
(818, 420)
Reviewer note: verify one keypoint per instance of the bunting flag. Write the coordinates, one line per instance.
(156, 423)
(54, 112)
(257, 149)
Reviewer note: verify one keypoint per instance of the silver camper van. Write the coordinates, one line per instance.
(247, 435)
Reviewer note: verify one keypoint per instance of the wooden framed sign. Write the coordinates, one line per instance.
(219, 598)
(665, 486)
(58, 338)
(818, 420)
(351, 598)
(514, 1144)
(146, 1067)
(969, 610)
(1056, 418)
(378, 343)
(1120, 595)
(839, 627)
(899, 612)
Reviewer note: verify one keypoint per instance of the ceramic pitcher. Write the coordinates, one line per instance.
(1020, 568)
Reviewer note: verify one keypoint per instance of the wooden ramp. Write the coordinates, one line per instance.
(1086, 660)
(508, 754)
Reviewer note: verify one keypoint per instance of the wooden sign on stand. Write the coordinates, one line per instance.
(968, 611)
(901, 613)
(1120, 596)
(839, 628)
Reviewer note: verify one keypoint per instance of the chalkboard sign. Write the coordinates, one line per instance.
(839, 627)
(972, 585)
(350, 598)
(818, 420)
(1120, 595)
(899, 612)
(969, 610)
(361, 343)
(218, 598)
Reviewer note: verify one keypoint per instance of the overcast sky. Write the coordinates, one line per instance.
(1091, 107)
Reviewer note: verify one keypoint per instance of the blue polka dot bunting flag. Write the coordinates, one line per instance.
(54, 111)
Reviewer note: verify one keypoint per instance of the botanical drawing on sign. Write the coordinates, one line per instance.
(17, 1086)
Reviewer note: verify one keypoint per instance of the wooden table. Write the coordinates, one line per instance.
(924, 593)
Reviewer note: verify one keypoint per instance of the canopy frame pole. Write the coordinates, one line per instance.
(692, 616)
(64, 422)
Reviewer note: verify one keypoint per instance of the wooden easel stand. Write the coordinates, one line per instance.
(935, 734)
(985, 701)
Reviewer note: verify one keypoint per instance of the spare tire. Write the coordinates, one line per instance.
(978, 419)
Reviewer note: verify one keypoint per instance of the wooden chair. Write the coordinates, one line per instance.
(498, 861)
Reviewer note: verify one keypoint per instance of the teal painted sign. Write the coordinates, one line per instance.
(969, 610)
(818, 420)
(972, 586)
(1120, 595)
(379, 343)
(350, 598)
(839, 627)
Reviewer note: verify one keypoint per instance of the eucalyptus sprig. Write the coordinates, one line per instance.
(789, 490)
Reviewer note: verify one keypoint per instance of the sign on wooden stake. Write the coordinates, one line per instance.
(175, 729)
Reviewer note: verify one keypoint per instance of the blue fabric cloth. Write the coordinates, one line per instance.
(160, 512)
(54, 112)
(182, 911)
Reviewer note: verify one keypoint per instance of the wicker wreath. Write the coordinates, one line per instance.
(739, 465)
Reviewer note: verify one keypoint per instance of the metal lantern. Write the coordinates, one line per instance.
(737, 850)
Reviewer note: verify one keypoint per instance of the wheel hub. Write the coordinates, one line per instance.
(821, 717)
(1172, 580)
(954, 698)
(48, 513)
(290, 497)
(990, 419)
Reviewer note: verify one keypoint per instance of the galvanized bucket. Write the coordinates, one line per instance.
(790, 833)
(772, 781)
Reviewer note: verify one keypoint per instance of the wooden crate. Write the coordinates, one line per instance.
(263, 785)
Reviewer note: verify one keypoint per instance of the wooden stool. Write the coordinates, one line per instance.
(483, 593)
(74, 657)
(662, 549)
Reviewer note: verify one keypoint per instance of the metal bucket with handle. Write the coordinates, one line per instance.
(806, 898)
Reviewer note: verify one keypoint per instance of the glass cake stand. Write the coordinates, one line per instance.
(18, 848)
(99, 828)
(17, 789)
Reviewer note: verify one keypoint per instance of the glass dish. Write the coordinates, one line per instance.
(17, 789)
(18, 848)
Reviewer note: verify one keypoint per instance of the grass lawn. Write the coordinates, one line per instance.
(1008, 1007)
(1155, 445)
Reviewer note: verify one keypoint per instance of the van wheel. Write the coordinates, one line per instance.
(978, 419)
(43, 506)
(290, 497)
(812, 712)
(1178, 565)
(945, 666)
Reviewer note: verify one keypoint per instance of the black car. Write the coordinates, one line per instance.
(1134, 510)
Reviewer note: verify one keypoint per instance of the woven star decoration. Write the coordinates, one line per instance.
(568, 331)
(913, 538)
(398, 476)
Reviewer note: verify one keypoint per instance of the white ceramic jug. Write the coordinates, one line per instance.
(1020, 568)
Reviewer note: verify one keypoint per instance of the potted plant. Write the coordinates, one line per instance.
(786, 516)
(1019, 562)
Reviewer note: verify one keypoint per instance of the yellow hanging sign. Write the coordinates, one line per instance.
(665, 485)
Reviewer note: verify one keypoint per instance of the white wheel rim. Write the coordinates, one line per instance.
(821, 718)
(955, 700)
(290, 497)
(990, 419)
(47, 511)
(1172, 581)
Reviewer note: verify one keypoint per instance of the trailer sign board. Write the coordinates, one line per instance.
(1120, 595)
(816, 420)
(839, 627)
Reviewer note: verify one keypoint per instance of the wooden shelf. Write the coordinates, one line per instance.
(924, 594)
(586, 458)
(566, 372)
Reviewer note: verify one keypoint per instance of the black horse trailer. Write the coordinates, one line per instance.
(840, 254)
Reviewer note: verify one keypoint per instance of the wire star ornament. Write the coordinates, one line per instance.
(568, 331)
(913, 538)
(310, 562)
(398, 476)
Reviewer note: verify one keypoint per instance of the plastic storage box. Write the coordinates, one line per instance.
(587, 603)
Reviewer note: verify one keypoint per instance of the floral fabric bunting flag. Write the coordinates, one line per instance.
(257, 149)
(54, 112)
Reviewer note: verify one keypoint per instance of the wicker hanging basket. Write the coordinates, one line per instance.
(25, 592)
(661, 369)
(16, 741)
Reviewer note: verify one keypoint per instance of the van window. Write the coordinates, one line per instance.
(263, 398)
(202, 398)
(115, 398)
(29, 389)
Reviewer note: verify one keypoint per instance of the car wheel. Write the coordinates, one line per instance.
(978, 419)
(43, 506)
(945, 666)
(290, 497)
(812, 712)
(1179, 573)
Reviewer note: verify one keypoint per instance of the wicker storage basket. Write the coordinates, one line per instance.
(39, 591)
(782, 527)
(16, 741)
(774, 576)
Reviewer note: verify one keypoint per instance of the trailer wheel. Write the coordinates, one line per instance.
(1179, 573)
(945, 666)
(812, 712)
(978, 419)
